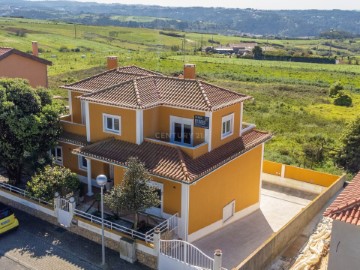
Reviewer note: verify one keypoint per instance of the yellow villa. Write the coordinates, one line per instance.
(204, 161)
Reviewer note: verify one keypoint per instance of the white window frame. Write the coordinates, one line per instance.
(83, 112)
(229, 211)
(107, 130)
(225, 119)
(182, 121)
(58, 160)
(80, 164)
(153, 210)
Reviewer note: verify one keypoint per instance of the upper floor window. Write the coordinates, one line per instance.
(181, 130)
(227, 126)
(112, 124)
(57, 154)
(82, 163)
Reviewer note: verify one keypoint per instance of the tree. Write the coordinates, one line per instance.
(258, 52)
(349, 155)
(134, 193)
(335, 89)
(343, 100)
(315, 150)
(29, 125)
(52, 179)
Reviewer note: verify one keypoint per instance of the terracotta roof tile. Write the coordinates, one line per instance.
(346, 206)
(168, 160)
(5, 52)
(72, 138)
(152, 91)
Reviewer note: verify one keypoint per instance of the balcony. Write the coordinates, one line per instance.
(71, 127)
(247, 127)
(192, 151)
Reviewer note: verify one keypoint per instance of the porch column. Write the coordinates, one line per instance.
(88, 161)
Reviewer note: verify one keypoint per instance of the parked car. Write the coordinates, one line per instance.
(8, 221)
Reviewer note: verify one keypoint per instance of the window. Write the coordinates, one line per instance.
(158, 209)
(227, 126)
(181, 130)
(57, 154)
(112, 124)
(82, 163)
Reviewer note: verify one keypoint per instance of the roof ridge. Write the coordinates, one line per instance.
(137, 93)
(344, 207)
(88, 78)
(183, 164)
(105, 89)
(144, 69)
(207, 101)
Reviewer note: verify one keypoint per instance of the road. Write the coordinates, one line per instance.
(39, 245)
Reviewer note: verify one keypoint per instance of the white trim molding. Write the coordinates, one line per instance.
(225, 119)
(139, 126)
(184, 219)
(219, 224)
(261, 169)
(208, 132)
(70, 105)
(89, 193)
(87, 121)
(80, 163)
(241, 117)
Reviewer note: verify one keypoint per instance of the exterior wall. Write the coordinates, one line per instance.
(217, 125)
(238, 180)
(273, 168)
(76, 107)
(74, 128)
(151, 123)
(98, 167)
(15, 66)
(171, 192)
(128, 123)
(70, 160)
(344, 246)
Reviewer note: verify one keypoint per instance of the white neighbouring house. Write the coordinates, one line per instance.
(345, 234)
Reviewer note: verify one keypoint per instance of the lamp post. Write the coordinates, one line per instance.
(101, 180)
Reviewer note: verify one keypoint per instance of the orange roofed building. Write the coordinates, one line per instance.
(204, 161)
(17, 64)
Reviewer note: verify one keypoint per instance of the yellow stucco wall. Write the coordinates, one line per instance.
(76, 107)
(151, 123)
(217, 125)
(238, 180)
(128, 123)
(70, 160)
(171, 192)
(15, 66)
(273, 168)
(310, 176)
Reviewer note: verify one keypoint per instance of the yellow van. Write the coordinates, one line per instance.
(8, 221)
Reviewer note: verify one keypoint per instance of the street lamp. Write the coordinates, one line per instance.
(101, 180)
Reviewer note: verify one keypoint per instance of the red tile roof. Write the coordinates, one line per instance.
(5, 52)
(346, 206)
(109, 78)
(72, 138)
(170, 161)
(147, 92)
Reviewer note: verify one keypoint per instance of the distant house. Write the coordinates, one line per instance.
(18, 64)
(345, 234)
(239, 48)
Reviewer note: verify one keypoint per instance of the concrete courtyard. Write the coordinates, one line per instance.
(239, 239)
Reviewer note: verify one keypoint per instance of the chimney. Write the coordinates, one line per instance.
(35, 48)
(112, 62)
(189, 71)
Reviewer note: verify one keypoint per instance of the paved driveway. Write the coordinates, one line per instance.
(43, 246)
(240, 238)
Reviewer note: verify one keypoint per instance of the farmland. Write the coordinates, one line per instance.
(290, 99)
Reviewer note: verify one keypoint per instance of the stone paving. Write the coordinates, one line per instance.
(42, 246)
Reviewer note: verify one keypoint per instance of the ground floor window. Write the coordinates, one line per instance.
(82, 163)
(57, 155)
(157, 210)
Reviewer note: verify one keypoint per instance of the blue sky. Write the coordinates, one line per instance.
(257, 4)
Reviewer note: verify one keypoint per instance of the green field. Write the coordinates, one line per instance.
(290, 99)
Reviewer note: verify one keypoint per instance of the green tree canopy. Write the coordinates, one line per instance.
(335, 89)
(46, 182)
(134, 193)
(258, 52)
(349, 155)
(29, 125)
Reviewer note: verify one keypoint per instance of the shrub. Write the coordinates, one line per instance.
(343, 100)
(335, 89)
(45, 183)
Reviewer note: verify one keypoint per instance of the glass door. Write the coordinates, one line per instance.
(181, 130)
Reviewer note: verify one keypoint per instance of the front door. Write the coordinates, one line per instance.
(181, 130)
